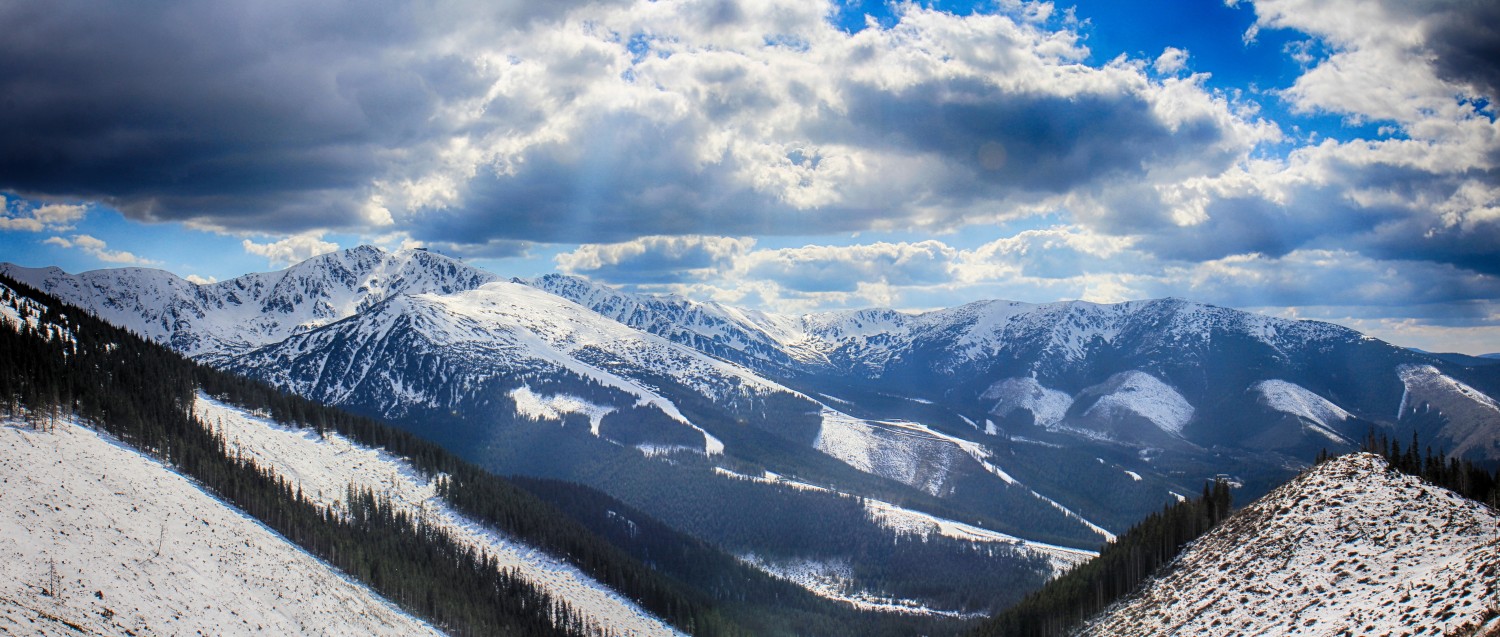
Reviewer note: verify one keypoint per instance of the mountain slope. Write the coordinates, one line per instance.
(98, 539)
(216, 320)
(1060, 423)
(1350, 547)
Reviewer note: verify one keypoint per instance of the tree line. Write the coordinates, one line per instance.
(1122, 566)
(1459, 475)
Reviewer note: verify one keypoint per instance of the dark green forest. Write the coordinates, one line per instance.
(1122, 566)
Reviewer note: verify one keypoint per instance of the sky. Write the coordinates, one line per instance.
(1327, 159)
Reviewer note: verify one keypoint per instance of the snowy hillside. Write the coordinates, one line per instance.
(1349, 548)
(1291, 398)
(1469, 419)
(98, 539)
(323, 467)
(501, 329)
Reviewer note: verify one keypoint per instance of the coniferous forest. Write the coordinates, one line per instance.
(1122, 566)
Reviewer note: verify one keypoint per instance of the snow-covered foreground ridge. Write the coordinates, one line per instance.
(1348, 548)
(324, 467)
(98, 539)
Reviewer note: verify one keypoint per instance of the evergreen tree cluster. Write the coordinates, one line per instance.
(1459, 475)
(1066, 602)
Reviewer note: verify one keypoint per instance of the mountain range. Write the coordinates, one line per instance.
(1042, 429)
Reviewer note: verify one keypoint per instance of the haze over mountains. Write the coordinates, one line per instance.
(1041, 427)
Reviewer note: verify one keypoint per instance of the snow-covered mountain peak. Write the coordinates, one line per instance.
(220, 320)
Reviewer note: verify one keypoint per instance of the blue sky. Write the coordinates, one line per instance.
(1337, 160)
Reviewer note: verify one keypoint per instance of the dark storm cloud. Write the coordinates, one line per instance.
(264, 115)
(626, 176)
(1465, 37)
(998, 141)
(655, 260)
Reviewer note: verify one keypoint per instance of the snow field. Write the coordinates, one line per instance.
(325, 467)
(1296, 400)
(121, 545)
(1047, 406)
(553, 407)
(907, 521)
(905, 451)
(1142, 394)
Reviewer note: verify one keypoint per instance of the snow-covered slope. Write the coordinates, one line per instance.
(1467, 419)
(1348, 548)
(429, 350)
(1047, 406)
(1140, 394)
(218, 320)
(323, 467)
(97, 539)
(1291, 398)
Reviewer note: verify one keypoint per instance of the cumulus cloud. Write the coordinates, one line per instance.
(1171, 61)
(21, 216)
(293, 249)
(97, 248)
(200, 280)
(655, 259)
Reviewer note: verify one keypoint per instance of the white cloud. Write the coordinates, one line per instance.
(1171, 61)
(200, 280)
(97, 248)
(16, 215)
(293, 249)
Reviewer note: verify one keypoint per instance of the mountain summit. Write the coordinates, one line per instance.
(1351, 547)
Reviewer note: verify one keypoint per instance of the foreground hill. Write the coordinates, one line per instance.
(98, 539)
(1351, 547)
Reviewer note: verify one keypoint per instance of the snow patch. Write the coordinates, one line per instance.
(886, 450)
(832, 579)
(555, 406)
(1047, 406)
(1296, 400)
(1141, 394)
